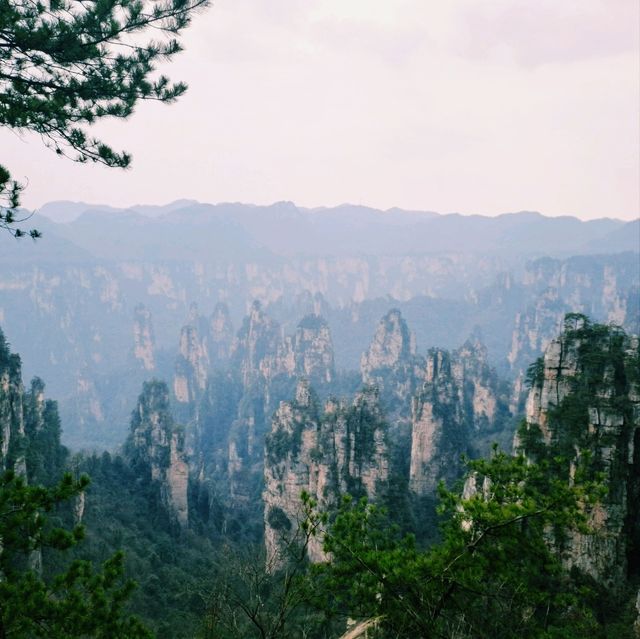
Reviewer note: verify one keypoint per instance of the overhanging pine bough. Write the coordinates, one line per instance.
(64, 64)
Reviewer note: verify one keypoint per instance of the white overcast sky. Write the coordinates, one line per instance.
(475, 106)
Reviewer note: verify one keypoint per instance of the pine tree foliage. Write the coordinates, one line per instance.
(65, 64)
(78, 601)
(9, 202)
(492, 575)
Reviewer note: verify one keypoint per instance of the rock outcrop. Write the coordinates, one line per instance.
(585, 396)
(156, 448)
(478, 385)
(256, 346)
(601, 286)
(232, 405)
(220, 336)
(313, 350)
(12, 429)
(391, 363)
(326, 452)
(143, 338)
(29, 425)
(460, 401)
(534, 328)
(192, 365)
(440, 431)
(392, 344)
(205, 345)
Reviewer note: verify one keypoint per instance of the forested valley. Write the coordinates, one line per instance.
(311, 503)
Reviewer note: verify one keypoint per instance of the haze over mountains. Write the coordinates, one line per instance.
(98, 305)
(186, 229)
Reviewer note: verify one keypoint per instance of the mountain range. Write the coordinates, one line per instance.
(187, 229)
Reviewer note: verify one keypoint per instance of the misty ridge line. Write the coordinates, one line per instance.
(65, 211)
(187, 230)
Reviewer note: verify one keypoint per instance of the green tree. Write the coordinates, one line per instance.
(492, 575)
(262, 597)
(65, 64)
(78, 601)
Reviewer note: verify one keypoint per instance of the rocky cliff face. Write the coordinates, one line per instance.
(192, 365)
(29, 425)
(604, 287)
(156, 448)
(220, 336)
(391, 364)
(439, 430)
(205, 345)
(255, 349)
(12, 429)
(313, 350)
(478, 386)
(585, 395)
(143, 338)
(233, 409)
(324, 451)
(460, 401)
(29, 433)
(392, 344)
(534, 328)
(44, 456)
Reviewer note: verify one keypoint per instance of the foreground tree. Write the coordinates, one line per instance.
(493, 574)
(262, 597)
(78, 601)
(65, 64)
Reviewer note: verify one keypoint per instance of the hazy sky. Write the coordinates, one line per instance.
(476, 106)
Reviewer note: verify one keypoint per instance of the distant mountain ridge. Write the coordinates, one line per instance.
(192, 231)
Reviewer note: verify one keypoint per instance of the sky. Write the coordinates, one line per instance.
(449, 106)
